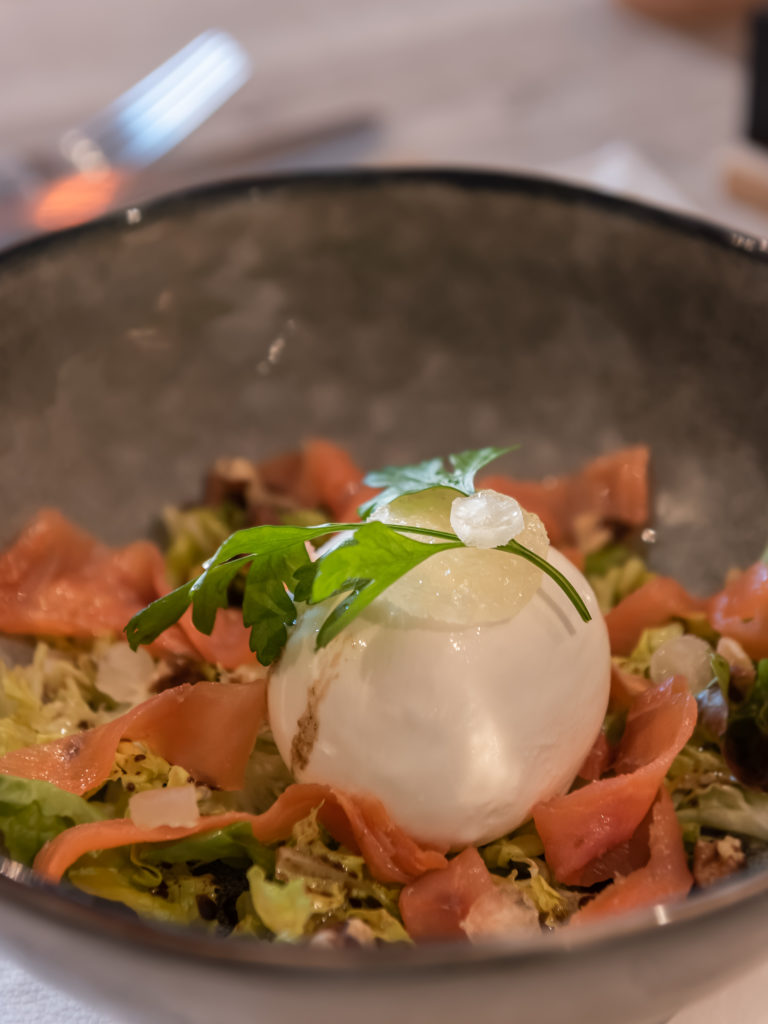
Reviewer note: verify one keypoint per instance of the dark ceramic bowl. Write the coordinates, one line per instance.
(403, 315)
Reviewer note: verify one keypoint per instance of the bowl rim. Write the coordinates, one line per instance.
(78, 911)
(464, 178)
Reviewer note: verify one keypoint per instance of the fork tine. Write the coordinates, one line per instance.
(174, 73)
(156, 78)
(209, 65)
(161, 109)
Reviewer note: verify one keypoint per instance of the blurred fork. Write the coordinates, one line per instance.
(93, 161)
(162, 109)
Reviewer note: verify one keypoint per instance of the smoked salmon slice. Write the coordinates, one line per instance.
(328, 477)
(611, 488)
(583, 825)
(207, 728)
(625, 687)
(655, 603)
(58, 580)
(362, 823)
(320, 475)
(665, 877)
(740, 610)
(228, 644)
(598, 760)
(435, 905)
(402, 860)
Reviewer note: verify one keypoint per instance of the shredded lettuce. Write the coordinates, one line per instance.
(266, 775)
(197, 880)
(172, 893)
(519, 859)
(229, 879)
(639, 661)
(313, 855)
(54, 695)
(385, 926)
(234, 844)
(615, 572)
(136, 768)
(33, 812)
(316, 884)
(612, 556)
(286, 908)
(194, 534)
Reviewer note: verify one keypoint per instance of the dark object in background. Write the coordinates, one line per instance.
(691, 10)
(746, 163)
(758, 99)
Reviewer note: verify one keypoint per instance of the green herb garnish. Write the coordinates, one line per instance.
(399, 480)
(281, 574)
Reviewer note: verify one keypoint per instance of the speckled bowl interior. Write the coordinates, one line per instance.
(403, 315)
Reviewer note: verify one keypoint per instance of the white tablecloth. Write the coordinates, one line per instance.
(574, 87)
(23, 1000)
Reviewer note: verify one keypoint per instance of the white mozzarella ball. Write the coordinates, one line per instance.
(458, 730)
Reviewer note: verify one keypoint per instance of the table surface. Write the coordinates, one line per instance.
(577, 88)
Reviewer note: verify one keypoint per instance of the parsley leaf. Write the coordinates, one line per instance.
(399, 480)
(372, 560)
(147, 625)
(277, 565)
(278, 572)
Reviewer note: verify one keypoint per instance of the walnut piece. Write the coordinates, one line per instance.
(714, 859)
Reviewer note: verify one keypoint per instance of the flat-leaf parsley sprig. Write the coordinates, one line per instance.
(279, 574)
(399, 480)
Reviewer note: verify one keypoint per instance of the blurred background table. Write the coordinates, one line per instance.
(512, 84)
(580, 88)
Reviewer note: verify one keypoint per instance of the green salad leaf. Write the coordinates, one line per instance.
(611, 556)
(234, 843)
(286, 908)
(33, 812)
(519, 860)
(197, 880)
(266, 775)
(315, 884)
(614, 572)
(727, 807)
(54, 695)
(170, 893)
(651, 639)
(459, 474)
(706, 795)
(331, 869)
(194, 534)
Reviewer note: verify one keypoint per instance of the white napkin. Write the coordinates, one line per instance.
(23, 1000)
(621, 169)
